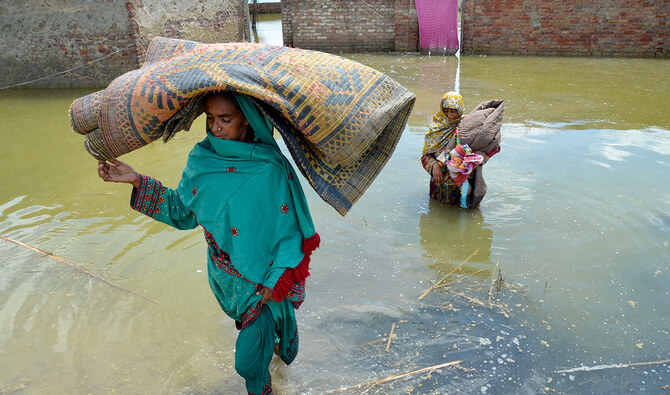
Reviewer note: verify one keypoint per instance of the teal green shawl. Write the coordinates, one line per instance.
(249, 198)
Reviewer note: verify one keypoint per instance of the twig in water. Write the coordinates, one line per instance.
(481, 303)
(618, 365)
(499, 281)
(466, 275)
(492, 276)
(72, 264)
(390, 337)
(423, 295)
(533, 277)
(370, 343)
(398, 376)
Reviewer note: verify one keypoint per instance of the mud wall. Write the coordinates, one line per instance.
(84, 43)
(350, 26)
(617, 28)
(206, 21)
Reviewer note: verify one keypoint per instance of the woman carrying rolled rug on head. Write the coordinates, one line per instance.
(449, 170)
(246, 196)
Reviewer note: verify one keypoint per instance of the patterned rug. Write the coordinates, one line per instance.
(340, 120)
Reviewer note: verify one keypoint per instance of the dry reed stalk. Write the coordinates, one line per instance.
(501, 307)
(464, 276)
(73, 265)
(617, 365)
(423, 295)
(370, 343)
(493, 274)
(390, 337)
(398, 376)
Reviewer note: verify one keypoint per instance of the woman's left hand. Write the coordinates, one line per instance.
(437, 173)
(266, 293)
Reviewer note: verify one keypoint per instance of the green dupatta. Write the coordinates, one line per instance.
(249, 198)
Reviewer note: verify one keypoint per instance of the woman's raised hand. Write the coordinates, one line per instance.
(116, 171)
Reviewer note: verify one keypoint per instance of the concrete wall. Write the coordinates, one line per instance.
(97, 40)
(206, 21)
(350, 26)
(619, 28)
(44, 37)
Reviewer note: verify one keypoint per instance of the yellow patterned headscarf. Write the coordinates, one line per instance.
(442, 128)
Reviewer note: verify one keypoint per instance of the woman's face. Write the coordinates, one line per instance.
(451, 113)
(224, 119)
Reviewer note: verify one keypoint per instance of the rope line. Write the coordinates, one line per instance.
(226, 11)
(371, 8)
(68, 70)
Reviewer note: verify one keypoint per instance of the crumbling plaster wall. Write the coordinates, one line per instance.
(87, 43)
(206, 21)
(45, 37)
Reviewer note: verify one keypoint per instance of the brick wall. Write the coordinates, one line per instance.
(350, 26)
(619, 28)
(83, 43)
(266, 8)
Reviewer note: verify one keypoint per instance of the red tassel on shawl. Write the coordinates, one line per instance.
(299, 273)
(311, 244)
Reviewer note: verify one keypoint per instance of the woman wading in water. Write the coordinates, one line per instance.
(239, 187)
(449, 170)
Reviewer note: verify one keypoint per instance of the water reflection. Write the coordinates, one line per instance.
(451, 235)
(268, 29)
(437, 76)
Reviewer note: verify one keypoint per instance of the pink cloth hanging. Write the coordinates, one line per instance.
(438, 26)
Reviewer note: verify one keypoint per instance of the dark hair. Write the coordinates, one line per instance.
(226, 95)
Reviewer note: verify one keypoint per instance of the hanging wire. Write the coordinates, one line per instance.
(68, 70)
(226, 11)
(371, 8)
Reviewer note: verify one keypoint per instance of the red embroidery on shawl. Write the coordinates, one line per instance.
(220, 257)
(148, 196)
(250, 315)
(232, 170)
(234, 231)
(267, 388)
(194, 191)
(292, 349)
(284, 208)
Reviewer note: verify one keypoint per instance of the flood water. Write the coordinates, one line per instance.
(564, 265)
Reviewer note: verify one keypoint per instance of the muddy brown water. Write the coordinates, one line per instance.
(576, 223)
